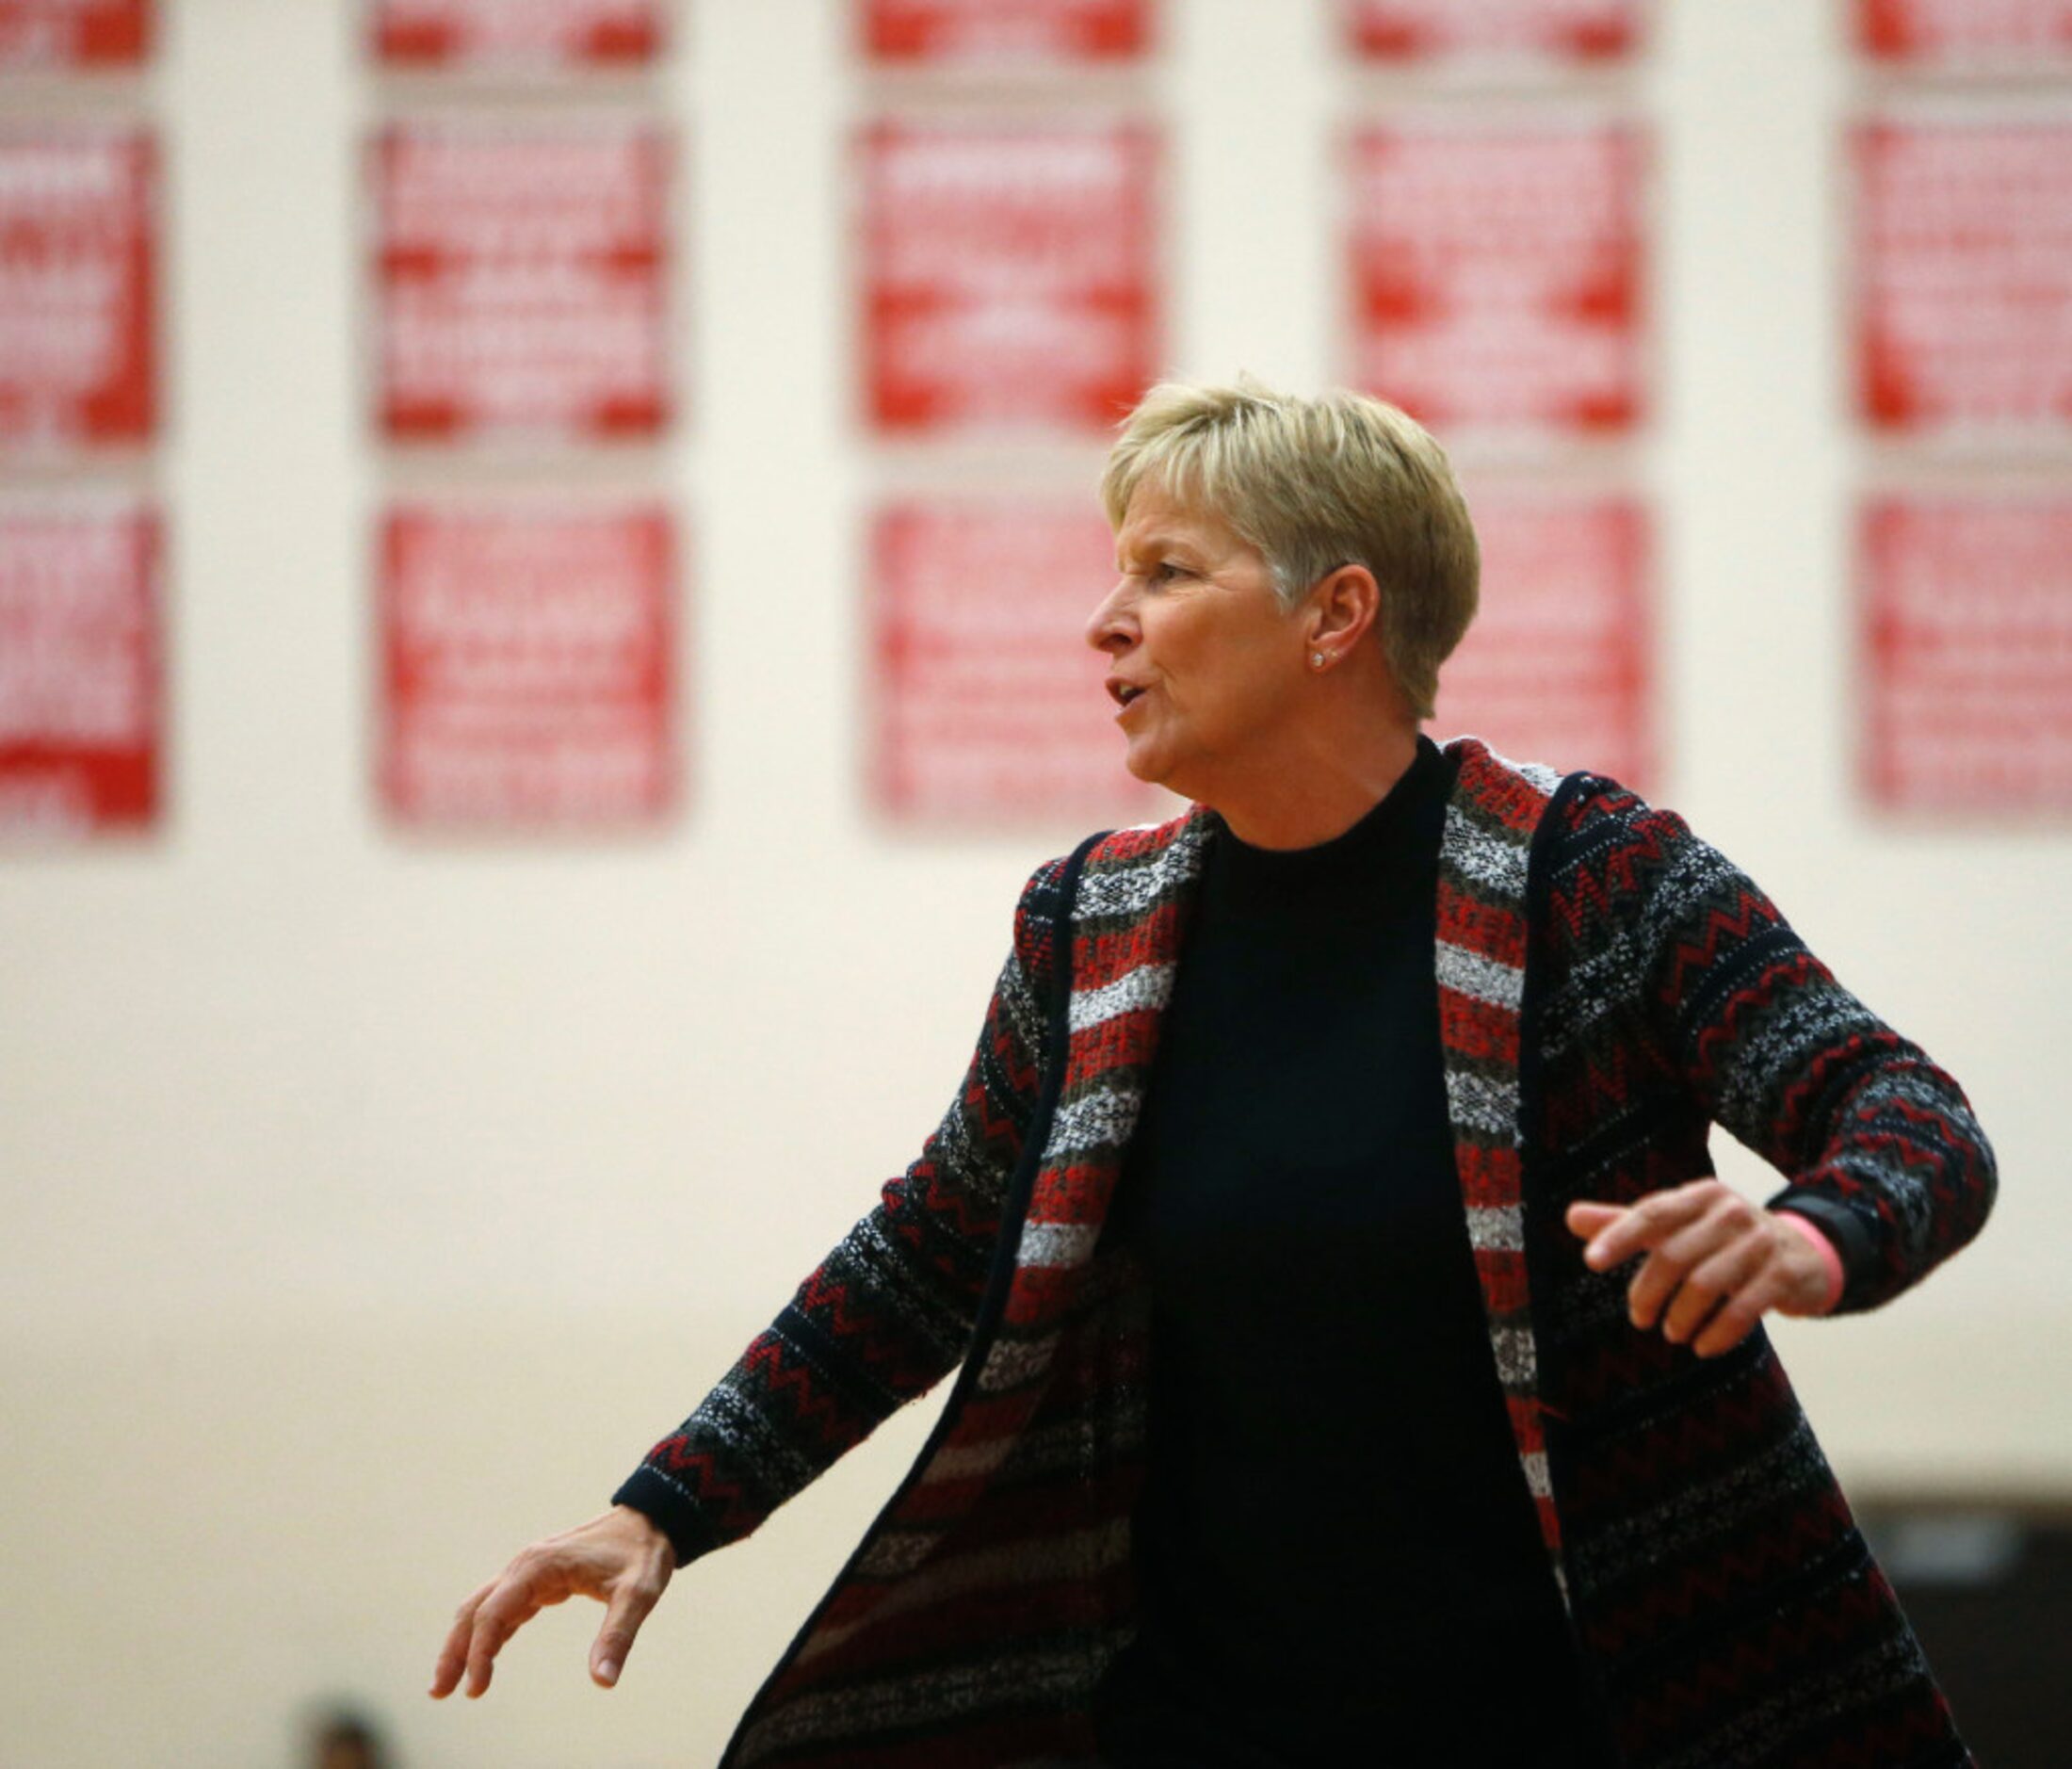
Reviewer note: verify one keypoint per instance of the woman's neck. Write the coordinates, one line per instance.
(1318, 789)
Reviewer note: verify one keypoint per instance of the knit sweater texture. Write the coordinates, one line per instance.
(1609, 985)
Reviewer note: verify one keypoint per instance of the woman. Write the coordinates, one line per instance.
(1312, 1408)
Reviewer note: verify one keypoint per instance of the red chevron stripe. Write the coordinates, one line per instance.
(1585, 898)
(1738, 924)
(1799, 1530)
(767, 1360)
(1594, 1084)
(1618, 1365)
(1813, 1081)
(1666, 1456)
(700, 1473)
(946, 1205)
(1848, 1619)
(1913, 1720)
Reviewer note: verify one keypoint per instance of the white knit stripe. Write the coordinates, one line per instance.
(1017, 998)
(1705, 1507)
(1517, 1358)
(1548, 779)
(1483, 856)
(1536, 1480)
(1102, 1119)
(1480, 978)
(1082, 1553)
(1148, 985)
(1495, 1227)
(1012, 1362)
(1125, 893)
(1053, 1245)
(1475, 1103)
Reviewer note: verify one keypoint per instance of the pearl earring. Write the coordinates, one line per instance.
(1316, 659)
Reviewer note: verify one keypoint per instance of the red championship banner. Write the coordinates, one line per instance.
(939, 32)
(1497, 275)
(988, 702)
(1968, 654)
(1963, 281)
(73, 34)
(78, 231)
(80, 716)
(527, 666)
(542, 36)
(2010, 33)
(1008, 275)
(1554, 30)
(1557, 667)
(521, 282)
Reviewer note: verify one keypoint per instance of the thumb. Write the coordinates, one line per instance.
(629, 1607)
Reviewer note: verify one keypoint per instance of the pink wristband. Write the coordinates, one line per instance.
(1836, 1279)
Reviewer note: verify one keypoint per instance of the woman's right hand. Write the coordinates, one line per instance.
(621, 1559)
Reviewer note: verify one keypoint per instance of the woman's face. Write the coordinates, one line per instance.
(1205, 661)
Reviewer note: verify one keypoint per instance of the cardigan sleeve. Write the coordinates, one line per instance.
(891, 1310)
(1878, 1145)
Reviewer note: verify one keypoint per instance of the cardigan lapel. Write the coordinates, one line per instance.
(1129, 918)
(1480, 963)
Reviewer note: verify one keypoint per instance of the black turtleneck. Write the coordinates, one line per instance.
(1337, 1556)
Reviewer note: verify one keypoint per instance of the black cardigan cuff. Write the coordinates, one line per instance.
(1851, 1240)
(672, 1511)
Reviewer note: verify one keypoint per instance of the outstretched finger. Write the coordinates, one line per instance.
(1648, 1223)
(631, 1601)
(1713, 1283)
(1737, 1320)
(453, 1655)
(508, 1611)
(1659, 1278)
(1586, 1220)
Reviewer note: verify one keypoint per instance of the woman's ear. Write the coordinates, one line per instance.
(1342, 608)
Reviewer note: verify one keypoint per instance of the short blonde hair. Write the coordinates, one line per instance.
(1315, 484)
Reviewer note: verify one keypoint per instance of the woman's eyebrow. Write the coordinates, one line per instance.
(1155, 546)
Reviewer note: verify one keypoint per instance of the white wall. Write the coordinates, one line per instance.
(370, 1204)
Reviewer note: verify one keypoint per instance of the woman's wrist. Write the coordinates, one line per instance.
(1831, 1260)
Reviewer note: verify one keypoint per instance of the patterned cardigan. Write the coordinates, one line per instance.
(1608, 984)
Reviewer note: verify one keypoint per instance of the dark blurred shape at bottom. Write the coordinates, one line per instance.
(1989, 1591)
(344, 1738)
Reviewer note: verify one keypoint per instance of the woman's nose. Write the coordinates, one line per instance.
(1106, 626)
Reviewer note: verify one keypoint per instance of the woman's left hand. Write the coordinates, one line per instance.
(1716, 1264)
